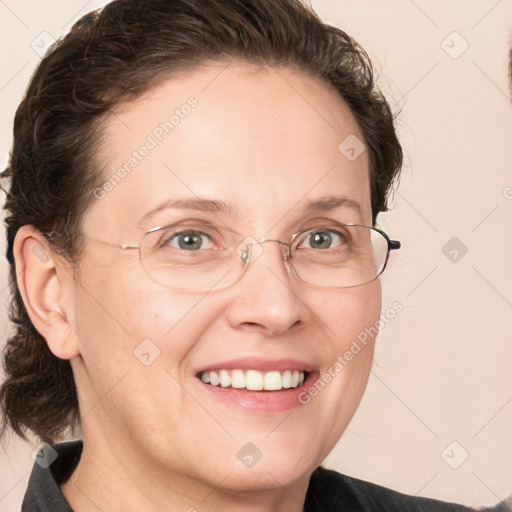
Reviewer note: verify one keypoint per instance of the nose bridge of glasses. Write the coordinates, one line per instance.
(251, 249)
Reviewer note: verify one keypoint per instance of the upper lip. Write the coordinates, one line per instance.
(260, 364)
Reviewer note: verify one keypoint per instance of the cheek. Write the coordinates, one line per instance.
(349, 314)
(131, 324)
(350, 318)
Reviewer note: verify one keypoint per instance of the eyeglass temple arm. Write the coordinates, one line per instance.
(394, 245)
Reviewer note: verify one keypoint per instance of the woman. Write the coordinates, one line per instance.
(193, 189)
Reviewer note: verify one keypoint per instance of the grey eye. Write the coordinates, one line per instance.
(323, 239)
(190, 241)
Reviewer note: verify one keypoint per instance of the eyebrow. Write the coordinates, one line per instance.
(191, 203)
(331, 202)
(321, 204)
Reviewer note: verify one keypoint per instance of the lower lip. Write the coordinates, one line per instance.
(261, 401)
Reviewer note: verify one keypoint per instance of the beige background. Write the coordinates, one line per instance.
(442, 366)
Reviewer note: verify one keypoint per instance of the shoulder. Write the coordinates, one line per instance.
(332, 491)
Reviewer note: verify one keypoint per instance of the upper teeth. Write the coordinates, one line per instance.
(254, 380)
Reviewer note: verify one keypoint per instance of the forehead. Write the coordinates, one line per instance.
(263, 140)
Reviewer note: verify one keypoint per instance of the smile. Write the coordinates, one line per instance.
(254, 380)
(257, 385)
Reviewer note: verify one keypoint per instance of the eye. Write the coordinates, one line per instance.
(322, 239)
(189, 240)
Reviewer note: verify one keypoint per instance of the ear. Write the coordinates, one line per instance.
(44, 281)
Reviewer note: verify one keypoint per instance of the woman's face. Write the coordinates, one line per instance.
(266, 142)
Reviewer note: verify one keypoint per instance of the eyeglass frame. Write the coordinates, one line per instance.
(392, 245)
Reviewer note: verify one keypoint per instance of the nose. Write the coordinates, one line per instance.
(266, 297)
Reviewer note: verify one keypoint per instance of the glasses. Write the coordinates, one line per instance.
(204, 257)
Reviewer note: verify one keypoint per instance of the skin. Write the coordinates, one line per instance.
(265, 140)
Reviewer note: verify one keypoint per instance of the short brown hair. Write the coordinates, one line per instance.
(113, 55)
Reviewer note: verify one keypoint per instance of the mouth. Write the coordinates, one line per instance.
(257, 385)
(254, 380)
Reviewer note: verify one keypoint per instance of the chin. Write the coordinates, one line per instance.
(269, 476)
(268, 464)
